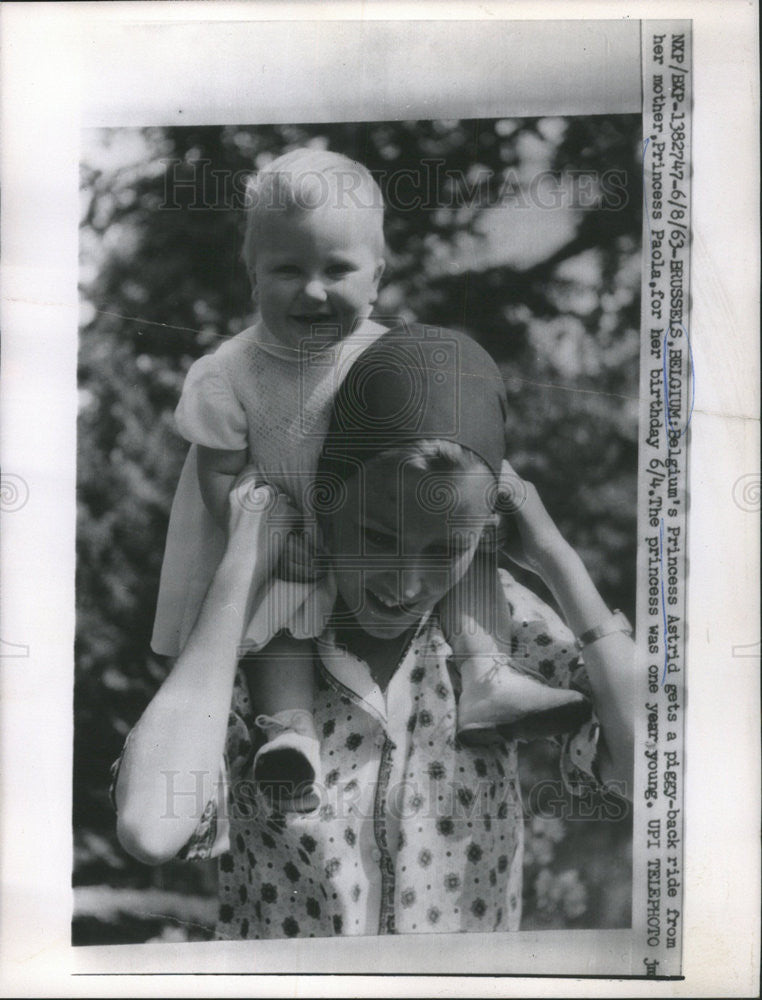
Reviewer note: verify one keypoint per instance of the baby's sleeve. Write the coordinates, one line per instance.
(209, 413)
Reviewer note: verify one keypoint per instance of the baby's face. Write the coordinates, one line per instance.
(315, 267)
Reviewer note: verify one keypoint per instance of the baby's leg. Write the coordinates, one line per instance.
(496, 695)
(475, 614)
(282, 686)
(281, 676)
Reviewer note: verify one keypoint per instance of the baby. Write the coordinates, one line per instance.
(314, 250)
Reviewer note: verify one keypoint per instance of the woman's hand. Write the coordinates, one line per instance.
(297, 561)
(260, 519)
(609, 660)
(263, 519)
(537, 541)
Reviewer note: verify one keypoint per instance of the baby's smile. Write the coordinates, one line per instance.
(316, 268)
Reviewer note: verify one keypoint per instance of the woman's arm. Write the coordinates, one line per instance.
(171, 763)
(217, 471)
(609, 661)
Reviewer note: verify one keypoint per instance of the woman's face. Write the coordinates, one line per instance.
(402, 538)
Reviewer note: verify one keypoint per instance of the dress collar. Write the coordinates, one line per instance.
(349, 348)
(267, 343)
(352, 674)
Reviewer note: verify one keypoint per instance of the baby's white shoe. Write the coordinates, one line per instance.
(497, 699)
(287, 767)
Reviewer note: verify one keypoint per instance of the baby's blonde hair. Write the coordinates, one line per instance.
(305, 179)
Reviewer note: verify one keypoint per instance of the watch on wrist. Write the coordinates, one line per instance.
(616, 623)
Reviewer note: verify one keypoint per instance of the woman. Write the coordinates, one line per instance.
(412, 831)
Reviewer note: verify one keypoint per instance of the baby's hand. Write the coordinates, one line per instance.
(297, 562)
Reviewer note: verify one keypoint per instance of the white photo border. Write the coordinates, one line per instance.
(71, 65)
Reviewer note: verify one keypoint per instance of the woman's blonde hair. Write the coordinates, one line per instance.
(305, 179)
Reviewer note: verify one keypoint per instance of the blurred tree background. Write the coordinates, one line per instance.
(523, 232)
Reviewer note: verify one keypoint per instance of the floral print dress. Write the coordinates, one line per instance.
(414, 832)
